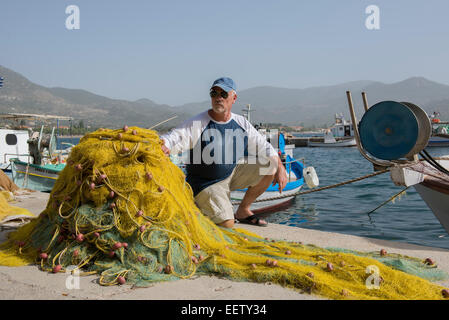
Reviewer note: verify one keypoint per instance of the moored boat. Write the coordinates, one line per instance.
(330, 141)
(397, 151)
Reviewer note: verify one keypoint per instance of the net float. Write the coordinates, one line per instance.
(160, 188)
(253, 265)
(111, 194)
(112, 205)
(96, 234)
(168, 269)
(57, 268)
(342, 263)
(445, 293)
(125, 149)
(274, 263)
(194, 259)
(429, 261)
(311, 275)
(79, 167)
(103, 177)
(111, 254)
(344, 293)
(268, 262)
(139, 213)
(329, 266)
(43, 256)
(117, 245)
(125, 128)
(142, 228)
(119, 136)
(125, 245)
(76, 253)
(201, 258)
(149, 176)
(383, 252)
(78, 182)
(80, 237)
(121, 280)
(92, 186)
(197, 246)
(288, 252)
(134, 132)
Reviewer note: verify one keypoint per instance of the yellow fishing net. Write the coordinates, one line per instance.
(122, 209)
(6, 210)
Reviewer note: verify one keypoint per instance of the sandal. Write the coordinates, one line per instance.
(253, 220)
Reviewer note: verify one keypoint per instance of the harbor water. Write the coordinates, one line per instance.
(345, 209)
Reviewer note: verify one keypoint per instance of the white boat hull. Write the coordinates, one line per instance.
(269, 205)
(437, 201)
(431, 184)
(341, 143)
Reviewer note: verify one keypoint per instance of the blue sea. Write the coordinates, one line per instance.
(345, 209)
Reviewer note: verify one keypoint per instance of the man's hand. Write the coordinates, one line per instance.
(165, 149)
(280, 176)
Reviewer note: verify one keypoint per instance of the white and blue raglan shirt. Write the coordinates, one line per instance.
(213, 148)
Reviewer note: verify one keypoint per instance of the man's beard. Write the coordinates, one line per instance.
(218, 108)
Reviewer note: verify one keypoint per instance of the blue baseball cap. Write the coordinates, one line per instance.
(227, 84)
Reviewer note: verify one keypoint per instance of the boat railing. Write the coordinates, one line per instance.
(17, 155)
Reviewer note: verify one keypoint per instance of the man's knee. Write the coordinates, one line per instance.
(227, 223)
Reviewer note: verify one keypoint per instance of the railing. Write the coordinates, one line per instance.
(17, 155)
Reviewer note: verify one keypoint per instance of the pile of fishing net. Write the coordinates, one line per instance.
(122, 209)
(9, 212)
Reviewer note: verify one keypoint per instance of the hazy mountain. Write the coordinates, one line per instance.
(23, 96)
(309, 106)
(317, 105)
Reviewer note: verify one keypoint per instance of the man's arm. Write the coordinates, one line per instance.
(164, 148)
(183, 137)
(280, 176)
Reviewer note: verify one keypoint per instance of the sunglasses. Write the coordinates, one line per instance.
(214, 93)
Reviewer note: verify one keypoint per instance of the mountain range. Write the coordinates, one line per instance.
(309, 106)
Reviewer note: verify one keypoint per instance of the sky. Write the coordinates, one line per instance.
(171, 51)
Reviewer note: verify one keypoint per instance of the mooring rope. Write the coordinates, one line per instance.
(319, 189)
(391, 199)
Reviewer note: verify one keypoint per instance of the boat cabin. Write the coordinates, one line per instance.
(13, 144)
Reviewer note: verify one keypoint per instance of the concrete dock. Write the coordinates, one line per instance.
(31, 283)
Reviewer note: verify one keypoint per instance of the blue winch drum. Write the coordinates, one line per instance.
(392, 130)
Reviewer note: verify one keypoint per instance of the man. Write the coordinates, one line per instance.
(216, 140)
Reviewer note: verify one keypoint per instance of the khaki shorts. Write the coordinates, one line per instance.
(214, 201)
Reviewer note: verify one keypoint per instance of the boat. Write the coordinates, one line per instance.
(295, 173)
(440, 132)
(13, 144)
(397, 151)
(431, 183)
(342, 128)
(330, 141)
(32, 157)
